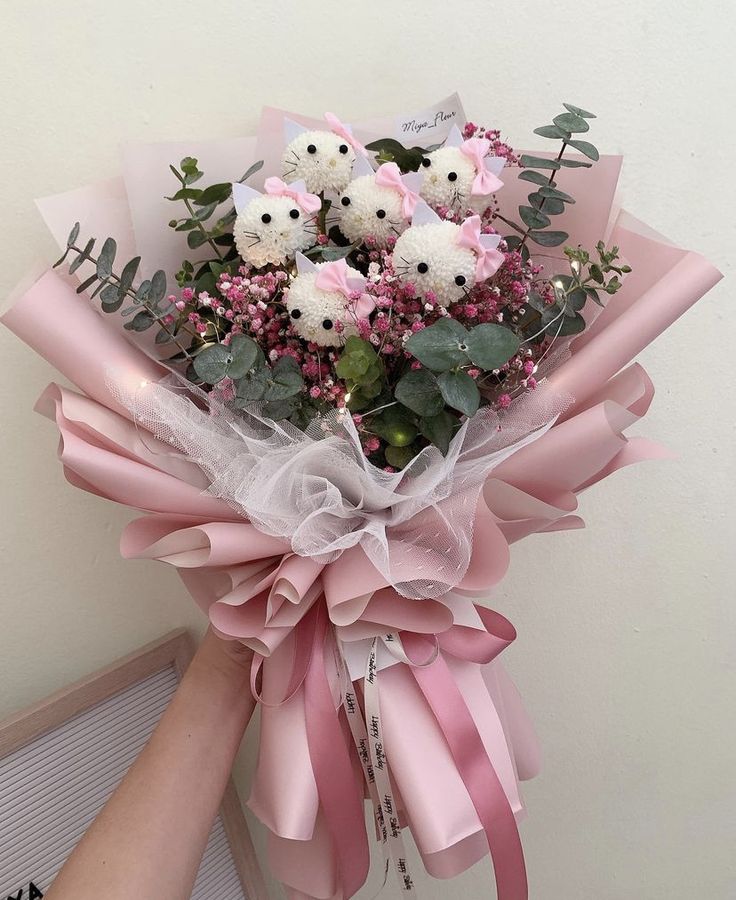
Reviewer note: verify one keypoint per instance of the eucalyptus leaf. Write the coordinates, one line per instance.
(196, 239)
(127, 275)
(331, 254)
(141, 321)
(534, 177)
(256, 167)
(88, 282)
(538, 162)
(439, 429)
(570, 325)
(533, 218)
(286, 380)
(549, 238)
(158, 287)
(419, 391)
(398, 457)
(577, 111)
(218, 361)
(552, 131)
(460, 391)
(586, 148)
(215, 193)
(73, 235)
(570, 122)
(490, 346)
(438, 346)
(81, 257)
(106, 258)
(575, 164)
(554, 193)
(281, 409)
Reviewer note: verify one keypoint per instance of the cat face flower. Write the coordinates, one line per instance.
(325, 302)
(460, 175)
(270, 228)
(323, 160)
(445, 259)
(378, 206)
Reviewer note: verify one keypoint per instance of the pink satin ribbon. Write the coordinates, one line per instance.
(389, 175)
(485, 182)
(335, 276)
(337, 127)
(488, 259)
(476, 770)
(339, 795)
(275, 187)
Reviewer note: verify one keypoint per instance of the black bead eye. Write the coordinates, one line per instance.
(296, 314)
(266, 218)
(294, 213)
(327, 324)
(452, 176)
(426, 162)
(422, 268)
(343, 148)
(380, 213)
(311, 148)
(345, 201)
(459, 280)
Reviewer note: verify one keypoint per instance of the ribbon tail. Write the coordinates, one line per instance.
(483, 785)
(340, 795)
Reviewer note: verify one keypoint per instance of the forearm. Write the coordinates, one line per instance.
(149, 839)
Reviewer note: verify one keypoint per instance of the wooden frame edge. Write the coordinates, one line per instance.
(174, 648)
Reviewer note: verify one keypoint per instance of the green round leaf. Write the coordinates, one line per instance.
(398, 457)
(460, 392)
(106, 258)
(490, 346)
(418, 390)
(577, 111)
(586, 148)
(219, 361)
(549, 238)
(439, 346)
(439, 429)
(570, 122)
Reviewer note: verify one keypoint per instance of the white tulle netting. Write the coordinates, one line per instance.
(317, 490)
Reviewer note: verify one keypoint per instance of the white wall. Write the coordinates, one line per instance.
(626, 648)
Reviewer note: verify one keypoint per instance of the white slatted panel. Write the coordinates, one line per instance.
(51, 789)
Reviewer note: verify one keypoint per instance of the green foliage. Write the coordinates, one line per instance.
(447, 345)
(408, 159)
(218, 361)
(420, 392)
(548, 200)
(460, 392)
(361, 368)
(396, 425)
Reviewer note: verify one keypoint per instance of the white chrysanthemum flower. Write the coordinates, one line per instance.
(430, 258)
(270, 230)
(448, 181)
(315, 312)
(323, 160)
(369, 210)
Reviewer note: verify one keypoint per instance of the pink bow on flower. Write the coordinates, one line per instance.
(297, 191)
(389, 175)
(338, 277)
(485, 182)
(336, 127)
(485, 247)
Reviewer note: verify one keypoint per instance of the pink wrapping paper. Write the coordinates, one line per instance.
(293, 611)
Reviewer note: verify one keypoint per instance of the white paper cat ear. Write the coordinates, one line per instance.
(292, 130)
(413, 180)
(361, 166)
(490, 241)
(243, 195)
(425, 215)
(454, 138)
(304, 265)
(494, 164)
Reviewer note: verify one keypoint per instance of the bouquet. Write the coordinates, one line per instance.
(381, 362)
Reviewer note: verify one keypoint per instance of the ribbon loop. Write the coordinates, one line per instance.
(297, 191)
